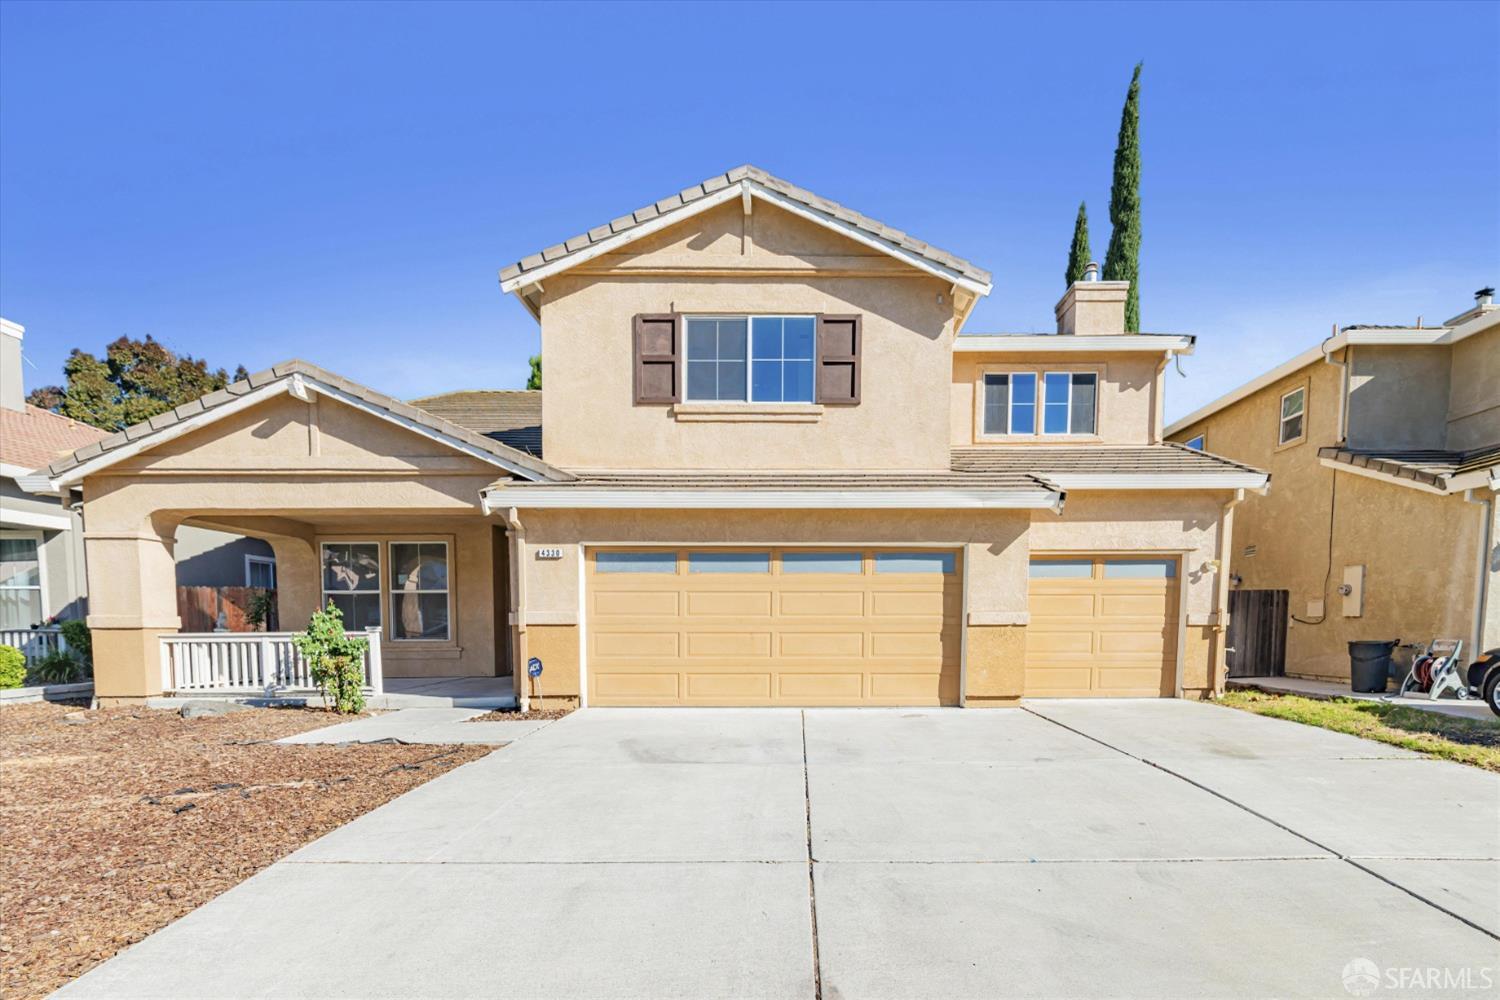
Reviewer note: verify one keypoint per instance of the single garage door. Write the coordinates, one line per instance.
(772, 626)
(1102, 627)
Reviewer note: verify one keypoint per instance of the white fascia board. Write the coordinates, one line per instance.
(980, 343)
(1385, 477)
(1474, 479)
(1474, 324)
(289, 384)
(14, 471)
(1158, 480)
(527, 278)
(10, 517)
(584, 498)
(1393, 338)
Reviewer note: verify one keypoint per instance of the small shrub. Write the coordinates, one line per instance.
(79, 639)
(262, 609)
(12, 667)
(56, 668)
(336, 662)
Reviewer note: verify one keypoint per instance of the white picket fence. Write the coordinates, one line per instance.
(34, 643)
(238, 662)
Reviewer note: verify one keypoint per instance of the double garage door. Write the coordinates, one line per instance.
(773, 626)
(849, 626)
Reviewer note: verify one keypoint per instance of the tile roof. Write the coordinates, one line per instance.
(34, 437)
(511, 416)
(286, 369)
(1094, 459)
(894, 238)
(1430, 466)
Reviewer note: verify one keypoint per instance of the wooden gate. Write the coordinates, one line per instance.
(1257, 633)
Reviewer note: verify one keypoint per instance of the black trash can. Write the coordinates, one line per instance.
(1370, 665)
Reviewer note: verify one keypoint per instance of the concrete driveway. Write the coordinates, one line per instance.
(1148, 849)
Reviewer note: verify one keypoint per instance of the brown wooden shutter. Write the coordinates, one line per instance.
(840, 340)
(658, 357)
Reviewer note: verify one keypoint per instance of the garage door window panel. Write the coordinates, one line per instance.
(1062, 569)
(729, 562)
(635, 562)
(850, 563)
(914, 562)
(1140, 569)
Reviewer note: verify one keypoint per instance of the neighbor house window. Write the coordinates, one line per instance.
(1195, 443)
(260, 572)
(745, 359)
(1293, 415)
(419, 590)
(351, 581)
(20, 582)
(1066, 401)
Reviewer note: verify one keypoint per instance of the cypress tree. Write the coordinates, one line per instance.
(1079, 254)
(1122, 262)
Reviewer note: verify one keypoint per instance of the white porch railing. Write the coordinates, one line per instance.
(264, 662)
(34, 643)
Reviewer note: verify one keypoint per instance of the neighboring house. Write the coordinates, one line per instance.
(1384, 443)
(41, 541)
(770, 473)
(207, 558)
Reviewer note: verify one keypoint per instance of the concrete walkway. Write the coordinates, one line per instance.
(1473, 708)
(437, 726)
(1145, 849)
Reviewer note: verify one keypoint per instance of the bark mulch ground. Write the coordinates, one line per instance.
(114, 823)
(511, 715)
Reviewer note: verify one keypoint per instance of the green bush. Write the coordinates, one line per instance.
(335, 661)
(79, 639)
(56, 668)
(12, 667)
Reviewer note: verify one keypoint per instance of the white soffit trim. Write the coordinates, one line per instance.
(585, 498)
(297, 385)
(1158, 480)
(1385, 477)
(981, 343)
(10, 516)
(525, 279)
(14, 471)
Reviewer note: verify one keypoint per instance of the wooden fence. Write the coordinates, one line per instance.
(213, 609)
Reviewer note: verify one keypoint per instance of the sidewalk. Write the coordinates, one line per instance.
(435, 726)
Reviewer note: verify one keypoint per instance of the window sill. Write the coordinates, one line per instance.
(757, 413)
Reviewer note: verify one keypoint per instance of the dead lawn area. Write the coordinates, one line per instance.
(511, 715)
(1448, 737)
(114, 823)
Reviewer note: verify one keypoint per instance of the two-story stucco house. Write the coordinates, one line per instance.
(769, 471)
(1385, 447)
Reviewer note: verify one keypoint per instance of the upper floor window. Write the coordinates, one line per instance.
(1195, 443)
(1293, 416)
(760, 359)
(1057, 403)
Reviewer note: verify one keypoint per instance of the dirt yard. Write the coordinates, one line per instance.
(114, 823)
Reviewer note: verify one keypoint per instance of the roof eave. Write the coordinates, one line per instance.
(539, 497)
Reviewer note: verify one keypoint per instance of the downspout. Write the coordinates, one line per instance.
(1343, 367)
(515, 532)
(1482, 571)
(1221, 599)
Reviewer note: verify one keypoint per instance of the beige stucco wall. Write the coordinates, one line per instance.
(1474, 396)
(1129, 386)
(295, 474)
(1419, 549)
(1398, 396)
(725, 262)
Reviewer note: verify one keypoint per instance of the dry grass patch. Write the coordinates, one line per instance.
(114, 823)
(1449, 737)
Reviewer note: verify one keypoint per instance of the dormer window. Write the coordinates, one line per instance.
(1046, 404)
(751, 359)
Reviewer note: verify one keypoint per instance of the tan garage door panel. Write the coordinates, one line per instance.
(771, 626)
(1102, 627)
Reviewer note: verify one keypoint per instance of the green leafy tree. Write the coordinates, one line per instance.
(335, 660)
(1079, 254)
(134, 381)
(534, 380)
(1122, 261)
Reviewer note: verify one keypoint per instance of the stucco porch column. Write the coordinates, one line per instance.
(132, 603)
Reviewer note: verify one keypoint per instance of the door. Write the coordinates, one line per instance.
(772, 626)
(1102, 626)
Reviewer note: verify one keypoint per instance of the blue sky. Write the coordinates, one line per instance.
(254, 182)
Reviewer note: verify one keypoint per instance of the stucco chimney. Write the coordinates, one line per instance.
(1092, 308)
(12, 384)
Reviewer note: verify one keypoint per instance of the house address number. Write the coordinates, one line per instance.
(549, 553)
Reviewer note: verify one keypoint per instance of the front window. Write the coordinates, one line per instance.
(351, 580)
(1293, 413)
(260, 572)
(20, 583)
(1057, 403)
(419, 590)
(744, 359)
